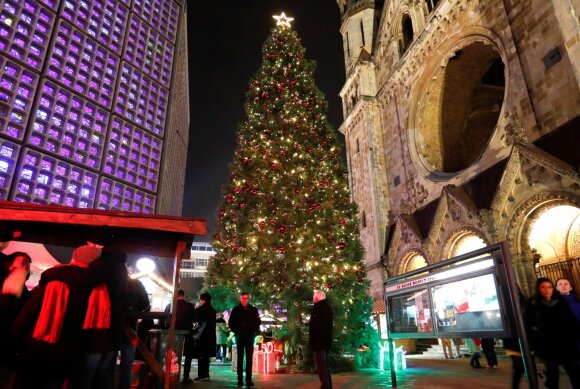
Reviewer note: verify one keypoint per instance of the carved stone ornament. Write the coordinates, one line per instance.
(515, 132)
(488, 222)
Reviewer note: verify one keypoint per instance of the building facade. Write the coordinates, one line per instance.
(196, 265)
(94, 109)
(461, 124)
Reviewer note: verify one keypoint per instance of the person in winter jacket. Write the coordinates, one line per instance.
(205, 316)
(245, 323)
(553, 333)
(565, 289)
(321, 326)
(221, 335)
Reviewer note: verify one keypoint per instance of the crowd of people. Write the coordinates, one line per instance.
(208, 331)
(68, 331)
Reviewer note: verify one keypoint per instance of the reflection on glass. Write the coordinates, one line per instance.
(410, 312)
(467, 305)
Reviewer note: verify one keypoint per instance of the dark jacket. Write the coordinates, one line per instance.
(574, 302)
(206, 344)
(245, 321)
(184, 315)
(321, 326)
(553, 330)
(136, 301)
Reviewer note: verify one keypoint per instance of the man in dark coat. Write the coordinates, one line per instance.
(321, 336)
(184, 321)
(205, 316)
(245, 323)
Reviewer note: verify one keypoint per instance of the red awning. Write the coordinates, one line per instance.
(378, 307)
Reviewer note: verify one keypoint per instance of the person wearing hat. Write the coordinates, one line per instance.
(205, 316)
(48, 332)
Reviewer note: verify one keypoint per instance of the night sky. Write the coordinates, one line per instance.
(225, 50)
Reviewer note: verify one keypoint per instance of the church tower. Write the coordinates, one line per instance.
(460, 119)
(362, 130)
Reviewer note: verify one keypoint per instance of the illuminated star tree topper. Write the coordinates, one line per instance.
(283, 20)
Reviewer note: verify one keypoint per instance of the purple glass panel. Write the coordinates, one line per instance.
(17, 86)
(141, 100)
(149, 51)
(75, 52)
(9, 153)
(104, 21)
(39, 183)
(68, 126)
(24, 29)
(141, 168)
(162, 15)
(113, 194)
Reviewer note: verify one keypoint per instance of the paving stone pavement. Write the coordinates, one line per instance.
(431, 373)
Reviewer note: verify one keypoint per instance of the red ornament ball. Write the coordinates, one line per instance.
(340, 246)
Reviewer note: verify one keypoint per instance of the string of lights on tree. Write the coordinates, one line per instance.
(287, 224)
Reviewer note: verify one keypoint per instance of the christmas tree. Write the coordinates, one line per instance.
(287, 225)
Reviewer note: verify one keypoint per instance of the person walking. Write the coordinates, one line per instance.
(553, 333)
(206, 339)
(321, 326)
(488, 347)
(473, 348)
(221, 334)
(245, 323)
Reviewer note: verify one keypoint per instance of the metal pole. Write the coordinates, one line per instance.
(391, 347)
(529, 364)
(180, 248)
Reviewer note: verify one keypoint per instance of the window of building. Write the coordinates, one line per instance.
(362, 32)
(357, 145)
(431, 4)
(407, 32)
(363, 219)
(347, 45)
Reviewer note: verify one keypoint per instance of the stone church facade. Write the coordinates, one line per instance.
(462, 129)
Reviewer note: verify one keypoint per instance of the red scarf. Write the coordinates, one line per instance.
(51, 317)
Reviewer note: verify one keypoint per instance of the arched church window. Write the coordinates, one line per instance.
(407, 32)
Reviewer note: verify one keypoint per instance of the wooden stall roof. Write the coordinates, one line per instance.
(133, 232)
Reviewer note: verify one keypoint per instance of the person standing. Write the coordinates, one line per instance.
(245, 323)
(488, 347)
(446, 345)
(565, 289)
(205, 316)
(553, 333)
(320, 326)
(221, 335)
(136, 300)
(184, 321)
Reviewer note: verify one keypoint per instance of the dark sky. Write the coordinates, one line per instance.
(225, 43)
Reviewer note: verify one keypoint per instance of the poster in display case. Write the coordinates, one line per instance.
(468, 305)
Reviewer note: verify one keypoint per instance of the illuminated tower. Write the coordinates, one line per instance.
(94, 103)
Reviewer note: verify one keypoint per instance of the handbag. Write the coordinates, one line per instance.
(198, 330)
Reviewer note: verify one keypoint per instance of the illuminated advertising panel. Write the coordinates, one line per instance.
(458, 301)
